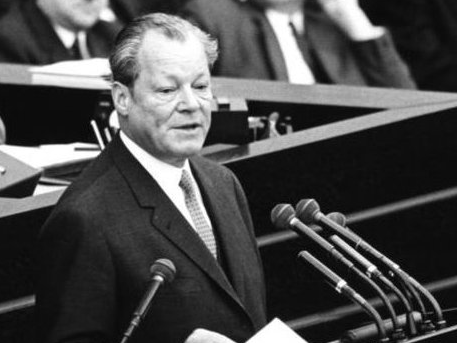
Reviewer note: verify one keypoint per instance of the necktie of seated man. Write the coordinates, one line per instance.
(75, 50)
(79, 50)
(202, 227)
(303, 45)
(311, 59)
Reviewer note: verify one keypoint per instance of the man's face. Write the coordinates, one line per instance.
(168, 111)
(74, 15)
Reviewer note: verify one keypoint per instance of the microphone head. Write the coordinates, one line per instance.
(164, 268)
(306, 210)
(338, 218)
(281, 215)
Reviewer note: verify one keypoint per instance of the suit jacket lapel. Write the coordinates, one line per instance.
(100, 38)
(323, 46)
(331, 49)
(232, 240)
(165, 217)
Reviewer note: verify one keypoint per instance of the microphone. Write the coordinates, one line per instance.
(373, 272)
(309, 212)
(162, 270)
(439, 321)
(341, 286)
(283, 216)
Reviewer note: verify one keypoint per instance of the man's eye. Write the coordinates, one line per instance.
(201, 86)
(166, 90)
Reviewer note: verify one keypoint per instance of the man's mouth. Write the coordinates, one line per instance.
(188, 127)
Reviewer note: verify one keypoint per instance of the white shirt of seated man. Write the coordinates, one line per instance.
(298, 70)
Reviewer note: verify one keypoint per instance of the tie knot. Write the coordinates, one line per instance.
(186, 182)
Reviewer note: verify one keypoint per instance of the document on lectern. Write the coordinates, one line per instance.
(274, 332)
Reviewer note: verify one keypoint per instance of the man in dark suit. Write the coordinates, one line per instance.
(336, 40)
(47, 31)
(132, 206)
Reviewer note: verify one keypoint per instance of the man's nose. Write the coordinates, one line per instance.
(188, 100)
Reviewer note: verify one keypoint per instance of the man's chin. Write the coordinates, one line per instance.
(190, 150)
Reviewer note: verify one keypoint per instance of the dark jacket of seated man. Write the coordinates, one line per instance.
(28, 35)
(250, 49)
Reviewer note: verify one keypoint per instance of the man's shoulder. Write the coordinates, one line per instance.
(94, 182)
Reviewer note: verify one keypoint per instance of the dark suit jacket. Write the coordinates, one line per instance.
(425, 33)
(27, 36)
(4, 5)
(249, 48)
(96, 249)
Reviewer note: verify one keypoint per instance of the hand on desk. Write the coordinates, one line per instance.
(349, 16)
(205, 336)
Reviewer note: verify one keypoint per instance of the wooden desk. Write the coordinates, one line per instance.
(62, 114)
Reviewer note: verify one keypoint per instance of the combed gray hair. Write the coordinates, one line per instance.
(124, 57)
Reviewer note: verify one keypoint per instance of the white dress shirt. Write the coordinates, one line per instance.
(167, 176)
(68, 39)
(298, 70)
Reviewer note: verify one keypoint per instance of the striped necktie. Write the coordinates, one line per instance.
(201, 225)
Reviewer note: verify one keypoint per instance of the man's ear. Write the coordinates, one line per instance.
(122, 98)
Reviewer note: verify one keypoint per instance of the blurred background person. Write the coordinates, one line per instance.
(425, 34)
(300, 41)
(126, 10)
(47, 31)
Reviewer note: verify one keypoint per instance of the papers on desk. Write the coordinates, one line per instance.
(52, 155)
(90, 73)
(274, 332)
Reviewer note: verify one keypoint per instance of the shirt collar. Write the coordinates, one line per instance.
(68, 37)
(282, 18)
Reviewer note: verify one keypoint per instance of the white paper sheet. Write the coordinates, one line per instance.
(276, 332)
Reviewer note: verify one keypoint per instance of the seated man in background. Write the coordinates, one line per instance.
(149, 196)
(300, 41)
(47, 31)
